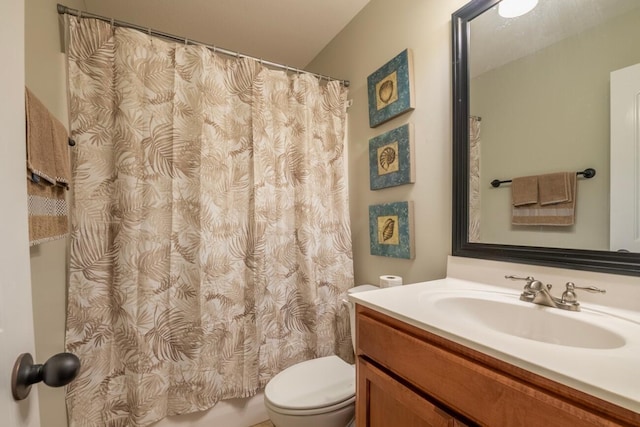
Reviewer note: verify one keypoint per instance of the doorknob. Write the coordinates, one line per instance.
(59, 370)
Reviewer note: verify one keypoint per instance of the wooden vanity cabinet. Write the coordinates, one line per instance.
(408, 377)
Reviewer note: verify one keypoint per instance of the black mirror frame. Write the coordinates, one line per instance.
(600, 261)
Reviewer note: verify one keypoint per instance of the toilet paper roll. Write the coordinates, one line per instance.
(388, 280)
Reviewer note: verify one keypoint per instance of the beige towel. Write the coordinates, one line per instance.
(48, 172)
(558, 214)
(554, 188)
(48, 218)
(47, 143)
(524, 190)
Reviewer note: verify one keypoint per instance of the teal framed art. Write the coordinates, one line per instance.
(391, 159)
(391, 230)
(390, 89)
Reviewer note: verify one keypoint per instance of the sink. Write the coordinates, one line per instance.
(507, 315)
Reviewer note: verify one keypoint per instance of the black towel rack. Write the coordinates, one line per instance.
(587, 173)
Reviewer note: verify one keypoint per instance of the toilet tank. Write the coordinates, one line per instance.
(352, 309)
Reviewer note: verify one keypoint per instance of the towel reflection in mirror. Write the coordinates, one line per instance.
(548, 199)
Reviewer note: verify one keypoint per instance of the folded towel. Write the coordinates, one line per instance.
(558, 214)
(61, 153)
(524, 190)
(554, 188)
(48, 172)
(47, 144)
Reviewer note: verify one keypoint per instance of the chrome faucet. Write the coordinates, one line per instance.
(538, 293)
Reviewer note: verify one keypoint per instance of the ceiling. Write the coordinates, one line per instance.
(290, 32)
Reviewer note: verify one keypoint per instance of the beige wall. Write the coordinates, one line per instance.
(383, 29)
(541, 117)
(45, 76)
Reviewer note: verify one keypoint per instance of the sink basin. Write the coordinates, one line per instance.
(529, 321)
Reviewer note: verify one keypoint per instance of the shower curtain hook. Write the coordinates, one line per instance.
(79, 15)
(149, 31)
(186, 41)
(113, 21)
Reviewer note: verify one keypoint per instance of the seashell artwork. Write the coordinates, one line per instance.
(387, 229)
(390, 89)
(387, 226)
(387, 157)
(386, 91)
(391, 159)
(391, 229)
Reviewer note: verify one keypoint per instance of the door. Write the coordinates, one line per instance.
(625, 160)
(16, 322)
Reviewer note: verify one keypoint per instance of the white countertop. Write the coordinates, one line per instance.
(612, 374)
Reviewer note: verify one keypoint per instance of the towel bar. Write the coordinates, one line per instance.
(587, 173)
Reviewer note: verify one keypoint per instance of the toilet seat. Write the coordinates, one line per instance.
(315, 386)
(314, 411)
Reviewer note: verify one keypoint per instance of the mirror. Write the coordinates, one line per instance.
(540, 86)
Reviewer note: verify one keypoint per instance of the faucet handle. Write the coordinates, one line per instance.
(530, 281)
(528, 278)
(569, 295)
(531, 285)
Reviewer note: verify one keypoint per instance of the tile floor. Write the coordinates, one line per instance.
(264, 424)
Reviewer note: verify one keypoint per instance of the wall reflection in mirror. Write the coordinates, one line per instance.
(556, 90)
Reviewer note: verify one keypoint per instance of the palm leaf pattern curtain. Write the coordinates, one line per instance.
(474, 179)
(210, 244)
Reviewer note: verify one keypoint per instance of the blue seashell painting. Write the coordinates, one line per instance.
(391, 160)
(391, 229)
(390, 89)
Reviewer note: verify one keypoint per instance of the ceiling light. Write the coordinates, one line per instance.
(513, 8)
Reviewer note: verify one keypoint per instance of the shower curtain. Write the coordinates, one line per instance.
(210, 239)
(474, 179)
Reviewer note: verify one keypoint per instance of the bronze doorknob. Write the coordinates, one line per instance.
(58, 371)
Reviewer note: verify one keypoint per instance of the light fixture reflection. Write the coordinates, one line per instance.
(514, 8)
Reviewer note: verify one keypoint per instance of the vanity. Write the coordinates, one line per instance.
(459, 352)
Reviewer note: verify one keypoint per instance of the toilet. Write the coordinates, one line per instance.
(315, 393)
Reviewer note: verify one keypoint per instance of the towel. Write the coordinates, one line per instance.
(47, 144)
(48, 173)
(554, 188)
(524, 190)
(48, 218)
(556, 214)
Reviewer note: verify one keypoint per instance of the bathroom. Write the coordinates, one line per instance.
(381, 30)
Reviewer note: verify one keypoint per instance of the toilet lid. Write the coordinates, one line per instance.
(313, 384)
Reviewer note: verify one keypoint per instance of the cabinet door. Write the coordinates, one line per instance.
(381, 401)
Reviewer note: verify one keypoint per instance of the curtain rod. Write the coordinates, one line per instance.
(62, 10)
